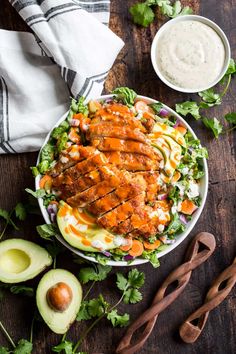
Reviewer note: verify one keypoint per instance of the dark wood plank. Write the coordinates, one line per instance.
(133, 68)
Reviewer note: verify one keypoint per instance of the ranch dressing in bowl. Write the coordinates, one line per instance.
(189, 55)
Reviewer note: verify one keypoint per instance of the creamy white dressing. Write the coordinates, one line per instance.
(190, 54)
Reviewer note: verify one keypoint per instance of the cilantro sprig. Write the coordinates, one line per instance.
(19, 212)
(143, 13)
(97, 308)
(129, 286)
(210, 98)
(22, 347)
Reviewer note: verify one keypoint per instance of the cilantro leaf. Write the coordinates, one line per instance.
(135, 278)
(7, 217)
(132, 296)
(129, 285)
(118, 320)
(157, 107)
(23, 347)
(165, 7)
(231, 118)
(188, 107)
(152, 256)
(94, 274)
(83, 313)
(175, 225)
(55, 248)
(210, 97)
(4, 350)
(4, 214)
(47, 231)
(97, 307)
(39, 193)
(121, 282)
(142, 14)
(92, 308)
(231, 68)
(125, 94)
(213, 124)
(185, 11)
(176, 9)
(65, 345)
(23, 290)
(20, 211)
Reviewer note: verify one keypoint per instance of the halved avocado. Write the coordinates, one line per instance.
(58, 298)
(21, 260)
(80, 230)
(163, 129)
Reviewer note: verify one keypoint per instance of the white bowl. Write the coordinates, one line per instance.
(179, 238)
(206, 21)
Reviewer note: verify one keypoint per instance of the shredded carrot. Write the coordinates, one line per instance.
(188, 207)
(45, 182)
(151, 246)
(148, 115)
(181, 129)
(136, 249)
(78, 116)
(128, 246)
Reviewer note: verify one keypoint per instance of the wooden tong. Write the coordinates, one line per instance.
(194, 324)
(200, 249)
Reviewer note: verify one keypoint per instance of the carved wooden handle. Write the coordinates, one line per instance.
(199, 251)
(193, 326)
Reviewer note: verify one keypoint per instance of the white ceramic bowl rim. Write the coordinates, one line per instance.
(180, 238)
(206, 21)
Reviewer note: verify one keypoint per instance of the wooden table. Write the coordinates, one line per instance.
(133, 69)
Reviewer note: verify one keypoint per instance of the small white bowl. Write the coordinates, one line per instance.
(180, 238)
(207, 22)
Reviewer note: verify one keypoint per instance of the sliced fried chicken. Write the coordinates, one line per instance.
(80, 169)
(99, 190)
(122, 212)
(153, 185)
(132, 161)
(122, 193)
(113, 144)
(86, 181)
(71, 156)
(136, 220)
(114, 131)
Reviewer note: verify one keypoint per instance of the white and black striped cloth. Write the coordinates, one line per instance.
(70, 53)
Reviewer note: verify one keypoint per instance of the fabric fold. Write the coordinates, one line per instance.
(69, 53)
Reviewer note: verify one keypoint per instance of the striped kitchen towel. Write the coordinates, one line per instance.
(70, 52)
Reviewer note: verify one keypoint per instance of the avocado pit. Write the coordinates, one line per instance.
(59, 297)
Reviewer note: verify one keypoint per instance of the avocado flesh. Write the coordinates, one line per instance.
(175, 153)
(171, 152)
(21, 260)
(80, 235)
(164, 129)
(58, 322)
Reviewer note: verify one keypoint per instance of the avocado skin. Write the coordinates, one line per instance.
(15, 253)
(58, 322)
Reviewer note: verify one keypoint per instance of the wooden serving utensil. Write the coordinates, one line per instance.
(194, 324)
(200, 249)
